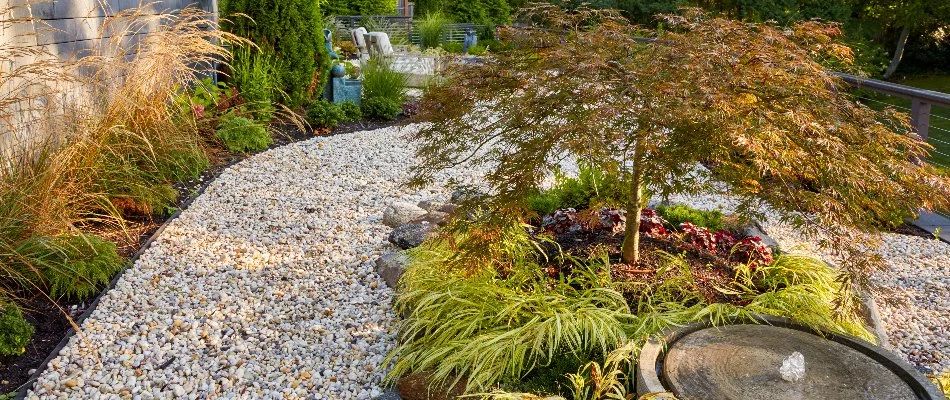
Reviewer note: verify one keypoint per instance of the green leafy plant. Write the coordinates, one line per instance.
(452, 47)
(592, 186)
(431, 28)
(679, 213)
(73, 266)
(477, 50)
(15, 332)
(256, 75)
(243, 135)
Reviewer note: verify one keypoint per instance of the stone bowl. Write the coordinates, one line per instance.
(743, 360)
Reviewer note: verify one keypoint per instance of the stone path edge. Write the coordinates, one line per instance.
(24, 389)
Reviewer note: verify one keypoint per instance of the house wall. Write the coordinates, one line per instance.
(32, 30)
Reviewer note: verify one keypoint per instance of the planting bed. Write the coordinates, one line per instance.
(264, 286)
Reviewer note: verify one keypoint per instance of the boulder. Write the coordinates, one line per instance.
(430, 205)
(389, 394)
(401, 213)
(752, 230)
(411, 235)
(448, 208)
(433, 217)
(465, 194)
(390, 267)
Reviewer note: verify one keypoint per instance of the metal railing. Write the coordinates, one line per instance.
(399, 28)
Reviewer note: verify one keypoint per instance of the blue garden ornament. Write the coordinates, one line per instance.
(328, 42)
(471, 39)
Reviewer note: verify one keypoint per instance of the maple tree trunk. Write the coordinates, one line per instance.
(631, 236)
(898, 53)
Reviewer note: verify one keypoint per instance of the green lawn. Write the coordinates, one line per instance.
(939, 136)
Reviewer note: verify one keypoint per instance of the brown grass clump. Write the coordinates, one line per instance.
(95, 138)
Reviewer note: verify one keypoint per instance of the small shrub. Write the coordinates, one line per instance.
(453, 47)
(477, 50)
(351, 112)
(679, 213)
(242, 135)
(15, 332)
(430, 29)
(543, 203)
(379, 107)
(383, 90)
(73, 266)
(324, 114)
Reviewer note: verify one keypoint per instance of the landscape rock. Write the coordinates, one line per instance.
(401, 213)
(433, 217)
(448, 208)
(753, 230)
(411, 235)
(430, 205)
(390, 267)
(462, 195)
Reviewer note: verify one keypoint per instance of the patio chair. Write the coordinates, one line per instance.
(359, 39)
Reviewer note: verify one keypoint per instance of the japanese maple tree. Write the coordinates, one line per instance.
(751, 101)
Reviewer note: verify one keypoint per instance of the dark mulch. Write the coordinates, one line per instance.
(709, 271)
(911, 230)
(50, 318)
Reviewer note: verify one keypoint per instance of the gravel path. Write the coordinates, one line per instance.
(914, 295)
(263, 288)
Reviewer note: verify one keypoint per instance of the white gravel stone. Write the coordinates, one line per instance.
(263, 288)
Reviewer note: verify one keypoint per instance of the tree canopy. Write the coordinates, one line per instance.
(751, 101)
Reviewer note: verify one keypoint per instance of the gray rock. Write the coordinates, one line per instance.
(390, 267)
(753, 230)
(401, 213)
(466, 194)
(430, 205)
(389, 394)
(433, 217)
(448, 208)
(411, 235)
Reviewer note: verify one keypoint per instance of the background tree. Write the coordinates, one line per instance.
(899, 20)
(360, 7)
(291, 31)
(750, 100)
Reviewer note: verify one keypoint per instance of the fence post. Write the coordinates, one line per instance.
(920, 117)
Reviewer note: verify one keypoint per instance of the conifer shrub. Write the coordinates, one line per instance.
(15, 331)
(291, 31)
(242, 135)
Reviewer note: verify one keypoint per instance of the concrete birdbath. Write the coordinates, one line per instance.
(776, 359)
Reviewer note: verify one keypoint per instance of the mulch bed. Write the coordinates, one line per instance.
(52, 319)
(709, 270)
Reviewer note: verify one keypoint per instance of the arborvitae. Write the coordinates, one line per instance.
(292, 31)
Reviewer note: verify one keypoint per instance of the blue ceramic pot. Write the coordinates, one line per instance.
(338, 71)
